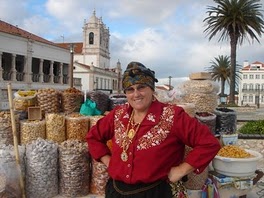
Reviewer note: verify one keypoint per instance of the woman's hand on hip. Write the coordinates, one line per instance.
(178, 172)
(105, 160)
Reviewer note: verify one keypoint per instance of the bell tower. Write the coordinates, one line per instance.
(96, 42)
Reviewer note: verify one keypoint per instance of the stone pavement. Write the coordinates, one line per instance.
(249, 113)
(243, 115)
(257, 191)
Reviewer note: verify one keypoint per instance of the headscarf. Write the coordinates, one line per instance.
(137, 73)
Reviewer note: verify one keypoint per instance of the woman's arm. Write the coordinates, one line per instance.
(178, 172)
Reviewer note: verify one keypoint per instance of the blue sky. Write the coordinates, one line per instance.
(166, 36)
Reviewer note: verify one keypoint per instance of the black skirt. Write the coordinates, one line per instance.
(117, 189)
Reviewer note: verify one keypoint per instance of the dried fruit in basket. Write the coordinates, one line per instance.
(233, 151)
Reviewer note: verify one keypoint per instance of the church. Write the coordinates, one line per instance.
(91, 58)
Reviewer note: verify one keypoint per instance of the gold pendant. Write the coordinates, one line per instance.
(124, 156)
(131, 133)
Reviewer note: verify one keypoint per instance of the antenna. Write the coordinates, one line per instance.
(62, 36)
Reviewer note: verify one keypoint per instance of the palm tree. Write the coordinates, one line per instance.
(236, 20)
(220, 71)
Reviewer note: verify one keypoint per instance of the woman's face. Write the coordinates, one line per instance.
(139, 96)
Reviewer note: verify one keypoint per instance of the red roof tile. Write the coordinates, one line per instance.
(256, 62)
(14, 30)
(77, 46)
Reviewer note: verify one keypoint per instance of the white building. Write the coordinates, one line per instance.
(92, 58)
(251, 86)
(28, 61)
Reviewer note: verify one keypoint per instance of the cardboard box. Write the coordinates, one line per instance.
(200, 76)
(34, 113)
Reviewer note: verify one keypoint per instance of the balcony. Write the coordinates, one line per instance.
(253, 91)
(22, 80)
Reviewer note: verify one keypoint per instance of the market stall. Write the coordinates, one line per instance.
(55, 159)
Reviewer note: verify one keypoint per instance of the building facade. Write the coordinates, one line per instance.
(91, 60)
(30, 62)
(251, 86)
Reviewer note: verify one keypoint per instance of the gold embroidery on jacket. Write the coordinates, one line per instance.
(159, 132)
(119, 126)
(151, 117)
(155, 136)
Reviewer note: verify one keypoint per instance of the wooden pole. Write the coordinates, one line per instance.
(13, 122)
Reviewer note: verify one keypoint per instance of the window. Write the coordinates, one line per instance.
(251, 76)
(113, 84)
(91, 38)
(245, 86)
(262, 76)
(245, 76)
(250, 98)
(257, 76)
(251, 87)
(97, 82)
(101, 83)
(244, 98)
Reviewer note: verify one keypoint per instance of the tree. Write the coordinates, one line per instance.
(236, 20)
(220, 71)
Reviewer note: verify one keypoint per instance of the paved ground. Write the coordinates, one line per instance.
(245, 115)
(250, 113)
(257, 192)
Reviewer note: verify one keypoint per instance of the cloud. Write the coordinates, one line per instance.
(166, 36)
(148, 12)
(9, 11)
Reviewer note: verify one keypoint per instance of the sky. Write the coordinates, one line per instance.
(166, 36)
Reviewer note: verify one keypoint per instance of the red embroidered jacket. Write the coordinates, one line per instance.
(158, 145)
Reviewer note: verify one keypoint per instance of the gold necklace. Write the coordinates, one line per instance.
(130, 134)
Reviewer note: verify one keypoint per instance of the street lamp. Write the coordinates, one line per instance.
(71, 64)
(223, 99)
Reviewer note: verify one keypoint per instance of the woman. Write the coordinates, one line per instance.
(148, 141)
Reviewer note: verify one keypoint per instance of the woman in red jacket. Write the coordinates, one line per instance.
(148, 141)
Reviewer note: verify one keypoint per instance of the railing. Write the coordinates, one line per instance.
(20, 76)
(56, 79)
(46, 78)
(35, 77)
(7, 75)
(65, 79)
(253, 90)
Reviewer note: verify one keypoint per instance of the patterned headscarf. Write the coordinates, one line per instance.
(137, 73)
